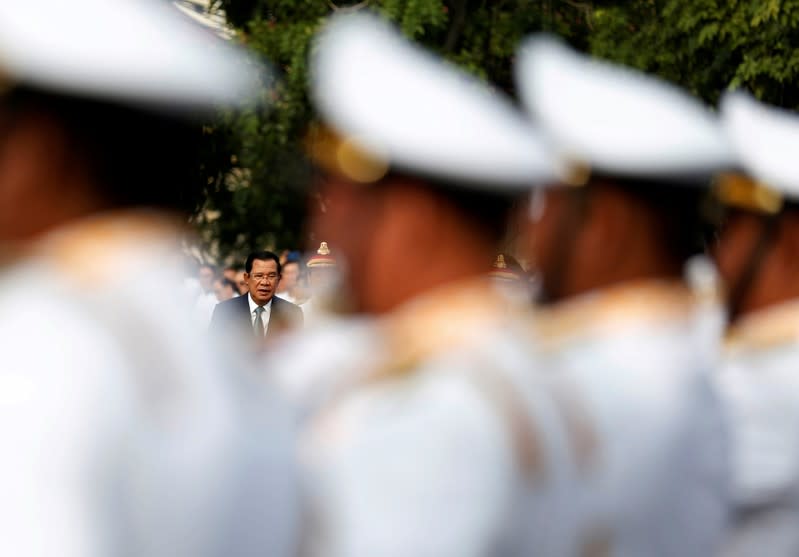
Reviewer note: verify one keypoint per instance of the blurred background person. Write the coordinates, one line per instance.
(224, 289)
(510, 279)
(423, 432)
(323, 283)
(290, 279)
(241, 282)
(618, 322)
(206, 301)
(191, 282)
(124, 436)
(260, 314)
(230, 273)
(756, 252)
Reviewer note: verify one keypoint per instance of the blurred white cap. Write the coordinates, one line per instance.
(765, 140)
(142, 52)
(616, 120)
(419, 113)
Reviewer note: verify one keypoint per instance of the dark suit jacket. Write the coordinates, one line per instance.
(233, 317)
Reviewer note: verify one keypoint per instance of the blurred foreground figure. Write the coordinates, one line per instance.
(121, 434)
(618, 322)
(424, 435)
(757, 258)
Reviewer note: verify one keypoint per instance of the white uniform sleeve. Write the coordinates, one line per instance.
(416, 469)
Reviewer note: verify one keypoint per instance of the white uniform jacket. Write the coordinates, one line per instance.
(759, 383)
(122, 433)
(653, 463)
(425, 433)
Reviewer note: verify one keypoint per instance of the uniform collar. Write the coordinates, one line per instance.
(440, 320)
(767, 328)
(102, 246)
(622, 306)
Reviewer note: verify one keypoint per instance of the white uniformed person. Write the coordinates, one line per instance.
(323, 282)
(756, 257)
(423, 432)
(618, 323)
(121, 433)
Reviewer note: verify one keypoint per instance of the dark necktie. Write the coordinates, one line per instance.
(258, 327)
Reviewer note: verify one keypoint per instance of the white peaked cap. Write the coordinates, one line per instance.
(130, 51)
(765, 140)
(420, 113)
(617, 120)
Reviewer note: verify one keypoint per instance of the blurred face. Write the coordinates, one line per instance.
(230, 274)
(223, 291)
(344, 214)
(263, 281)
(737, 239)
(291, 274)
(241, 283)
(207, 279)
(321, 278)
(28, 187)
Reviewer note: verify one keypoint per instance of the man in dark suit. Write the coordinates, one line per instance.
(259, 313)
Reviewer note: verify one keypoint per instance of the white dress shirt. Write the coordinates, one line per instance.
(265, 316)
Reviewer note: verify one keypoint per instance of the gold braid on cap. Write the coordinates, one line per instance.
(573, 171)
(736, 190)
(344, 156)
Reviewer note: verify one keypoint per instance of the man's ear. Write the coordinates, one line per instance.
(246, 276)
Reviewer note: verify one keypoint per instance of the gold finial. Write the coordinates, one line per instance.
(500, 262)
(323, 249)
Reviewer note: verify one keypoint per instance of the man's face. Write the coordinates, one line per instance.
(223, 291)
(206, 279)
(241, 283)
(262, 280)
(291, 273)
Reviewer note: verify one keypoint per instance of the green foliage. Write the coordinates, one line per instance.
(256, 176)
(254, 165)
(707, 46)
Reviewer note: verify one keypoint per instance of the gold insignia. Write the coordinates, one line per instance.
(345, 156)
(96, 248)
(630, 302)
(575, 172)
(737, 190)
(765, 329)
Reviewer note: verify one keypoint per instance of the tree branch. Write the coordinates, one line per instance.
(346, 9)
(458, 23)
(584, 7)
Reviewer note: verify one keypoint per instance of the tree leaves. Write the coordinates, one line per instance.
(255, 171)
